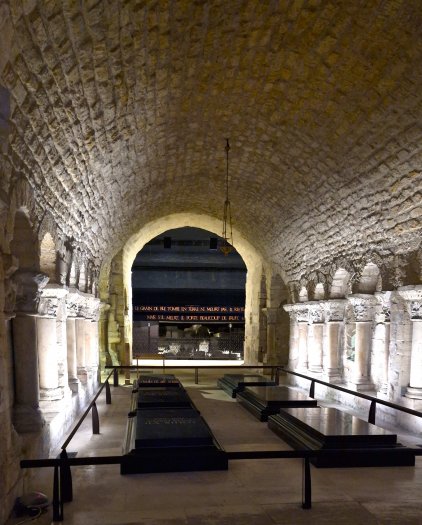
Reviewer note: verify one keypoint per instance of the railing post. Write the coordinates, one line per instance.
(65, 478)
(57, 501)
(277, 375)
(312, 390)
(196, 375)
(306, 485)
(115, 377)
(108, 393)
(95, 419)
(372, 412)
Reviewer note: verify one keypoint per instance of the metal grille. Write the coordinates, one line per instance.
(226, 347)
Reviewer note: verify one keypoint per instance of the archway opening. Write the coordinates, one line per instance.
(115, 281)
(188, 298)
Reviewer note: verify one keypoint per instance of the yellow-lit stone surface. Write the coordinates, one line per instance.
(120, 109)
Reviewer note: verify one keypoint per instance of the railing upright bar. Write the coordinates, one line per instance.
(312, 390)
(95, 419)
(115, 377)
(108, 392)
(307, 485)
(372, 412)
(57, 503)
(65, 478)
(196, 376)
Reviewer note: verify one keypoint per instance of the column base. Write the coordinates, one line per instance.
(413, 392)
(315, 369)
(27, 419)
(83, 375)
(51, 394)
(361, 385)
(332, 376)
(74, 384)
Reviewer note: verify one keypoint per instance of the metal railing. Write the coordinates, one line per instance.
(275, 369)
(374, 400)
(62, 478)
(230, 346)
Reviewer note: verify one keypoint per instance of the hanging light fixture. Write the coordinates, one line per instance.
(227, 244)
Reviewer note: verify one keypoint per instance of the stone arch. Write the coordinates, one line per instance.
(319, 292)
(303, 294)
(24, 245)
(48, 257)
(253, 261)
(278, 292)
(369, 281)
(340, 285)
(82, 281)
(413, 269)
(73, 273)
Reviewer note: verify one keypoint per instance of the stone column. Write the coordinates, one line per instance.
(381, 342)
(27, 416)
(315, 338)
(334, 318)
(294, 336)
(302, 318)
(71, 354)
(61, 329)
(413, 297)
(363, 311)
(82, 371)
(48, 361)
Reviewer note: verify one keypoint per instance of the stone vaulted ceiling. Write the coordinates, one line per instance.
(119, 111)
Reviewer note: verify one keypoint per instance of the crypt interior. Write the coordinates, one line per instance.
(114, 117)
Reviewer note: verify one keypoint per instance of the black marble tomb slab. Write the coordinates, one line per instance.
(234, 383)
(263, 401)
(167, 427)
(337, 431)
(162, 396)
(157, 380)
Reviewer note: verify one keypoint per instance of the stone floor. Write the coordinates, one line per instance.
(251, 492)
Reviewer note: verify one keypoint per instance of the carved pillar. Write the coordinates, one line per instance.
(48, 361)
(27, 416)
(334, 318)
(363, 312)
(381, 341)
(82, 371)
(72, 309)
(315, 338)
(91, 335)
(71, 354)
(302, 318)
(294, 336)
(413, 298)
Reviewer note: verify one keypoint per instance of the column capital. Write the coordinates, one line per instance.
(298, 310)
(382, 309)
(362, 307)
(28, 290)
(334, 309)
(316, 312)
(413, 297)
(49, 300)
(83, 305)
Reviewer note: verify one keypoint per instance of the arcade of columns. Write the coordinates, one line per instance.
(54, 330)
(368, 342)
